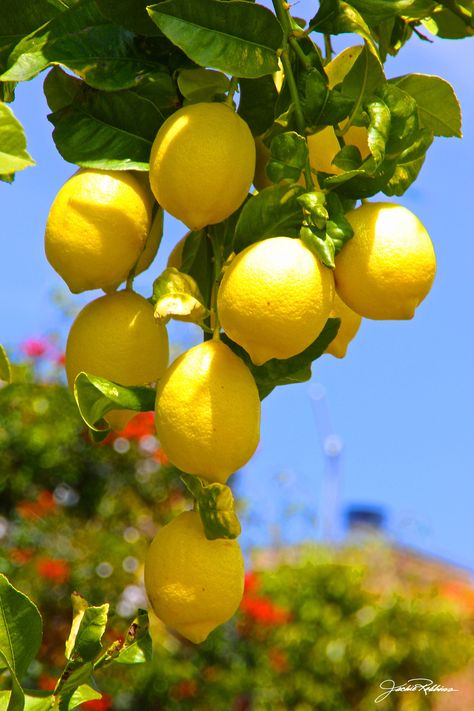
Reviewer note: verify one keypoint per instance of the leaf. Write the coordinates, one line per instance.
(137, 646)
(176, 295)
(319, 243)
(348, 158)
(13, 153)
(409, 164)
(289, 154)
(438, 106)
(375, 11)
(96, 397)
(292, 370)
(106, 56)
(106, 130)
(38, 700)
(336, 17)
(74, 676)
(16, 700)
(88, 626)
(364, 77)
(338, 227)
(257, 103)
(20, 628)
(378, 131)
(60, 88)
(272, 213)
(202, 84)
(20, 18)
(197, 262)
(216, 507)
(83, 693)
(131, 14)
(320, 105)
(237, 37)
(5, 368)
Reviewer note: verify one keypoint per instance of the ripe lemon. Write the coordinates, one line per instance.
(202, 164)
(275, 298)
(193, 584)
(387, 268)
(116, 337)
(96, 229)
(350, 322)
(208, 412)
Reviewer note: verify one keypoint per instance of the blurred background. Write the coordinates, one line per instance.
(356, 509)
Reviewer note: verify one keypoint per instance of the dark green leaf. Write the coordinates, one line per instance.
(293, 370)
(365, 75)
(338, 227)
(438, 107)
(452, 25)
(375, 11)
(131, 14)
(289, 154)
(403, 118)
(336, 17)
(197, 262)
(16, 700)
(320, 105)
(237, 37)
(216, 507)
(272, 213)
(5, 368)
(257, 103)
(202, 84)
(348, 158)
(20, 18)
(60, 88)
(176, 295)
(13, 153)
(20, 628)
(409, 164)
(74, 676)
(96, 397)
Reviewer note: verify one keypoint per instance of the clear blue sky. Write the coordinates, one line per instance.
(401, 401)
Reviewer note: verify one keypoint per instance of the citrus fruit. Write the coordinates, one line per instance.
(350, 322)
(193, 584)
(202, 163)
(96, 229)
(208, 412)
(387, 268)
(275, 298)
(116, 337)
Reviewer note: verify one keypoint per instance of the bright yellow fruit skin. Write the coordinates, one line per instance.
(116, 337)
(202, 164)
(193, 584)
(387, 268)
(96, 229)
(208, 412)
(275, 298)
(350, 323)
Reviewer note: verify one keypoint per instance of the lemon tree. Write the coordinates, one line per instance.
(240, 121)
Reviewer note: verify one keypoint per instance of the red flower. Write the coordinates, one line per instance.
(20, 556)
(43, 505)
(46, 501)
(34, 347)
(57, 571)
(260, 608)
(160, 456)
(141, 425)
(46, 682)
(102, 704)
(251, 582)
(459, 592)
(60, 359)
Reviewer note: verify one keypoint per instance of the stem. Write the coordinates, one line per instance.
(233, 86)
(294, 44)
(217, 254)
(282, 13)
(328, 47)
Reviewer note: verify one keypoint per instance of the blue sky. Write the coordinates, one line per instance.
(401, 402)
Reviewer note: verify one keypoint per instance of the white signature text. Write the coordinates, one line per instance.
(427, 686)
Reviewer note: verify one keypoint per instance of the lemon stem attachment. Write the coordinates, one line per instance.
(281, 10)
(328, 48)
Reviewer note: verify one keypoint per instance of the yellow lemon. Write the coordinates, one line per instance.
(202, 164)
(116, 337)
(96, 229)
(193, 584)
(275, 298)
(208, 412)
(387, 268)
(350, 322)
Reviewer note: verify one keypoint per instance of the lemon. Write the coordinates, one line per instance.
(116, 337)
(387, 268)
(208, 412)
(96, 229)
(202, 164)
(193, 584)
(350, 322)
(275, 298)
(152, 243)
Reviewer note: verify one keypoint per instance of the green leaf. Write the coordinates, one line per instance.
(275, 211)
(319, 243)
(378, 131)
(451, 25)
(438, 106)
(176, 295)
(106, 56)
(83, 693)
(404, 124)
(88, 626)
(216, 507)
(409, 164)
(375, 11)
(364, 77)
(60, 88)
(16, 700)
(74, 676)
(20, 18)
(131, 14)
(5, 368)
(257, 103)
(106, 130)
(13, 153)
(320, 105)
(137, 647)
(292, 370)
(338, 227)
(289, 154)
(20, 628)
(96, 397)
(336, 17)
(348, 158)
(314, 209)
(237, 37)
(38, 700)
(202, 84)
(197, 262)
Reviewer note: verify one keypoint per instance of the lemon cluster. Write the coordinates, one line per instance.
(273, 299)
